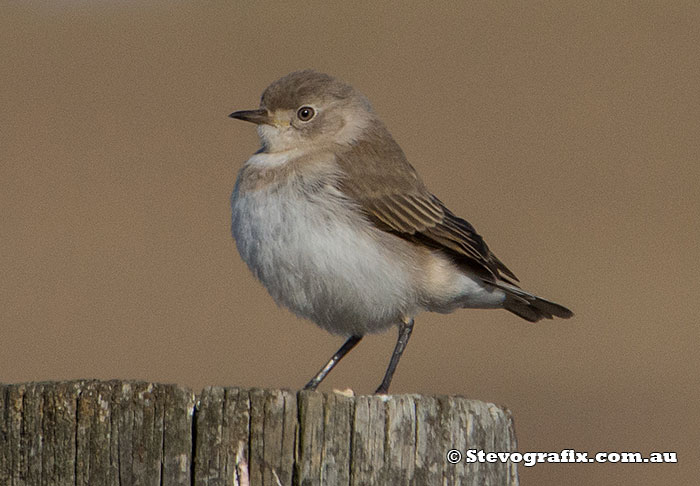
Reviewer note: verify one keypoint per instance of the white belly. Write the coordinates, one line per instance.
(306, 249)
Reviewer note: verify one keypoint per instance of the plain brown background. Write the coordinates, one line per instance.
(566, 132)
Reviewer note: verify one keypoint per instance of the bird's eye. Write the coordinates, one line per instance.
(305, 113)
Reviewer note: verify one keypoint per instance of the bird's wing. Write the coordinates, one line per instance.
(388, 190)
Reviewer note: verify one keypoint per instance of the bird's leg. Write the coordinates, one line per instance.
(344, 349)
(405, 329)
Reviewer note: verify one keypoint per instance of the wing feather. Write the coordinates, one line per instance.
(388, 190)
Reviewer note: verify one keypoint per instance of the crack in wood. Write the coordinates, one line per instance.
(119, 433)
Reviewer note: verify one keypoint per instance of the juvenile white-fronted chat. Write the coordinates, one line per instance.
(338, 226)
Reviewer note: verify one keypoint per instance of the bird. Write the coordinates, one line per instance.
(340, 229)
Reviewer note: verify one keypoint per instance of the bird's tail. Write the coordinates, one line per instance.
(529, 306)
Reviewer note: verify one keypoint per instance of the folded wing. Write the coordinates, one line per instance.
(394, 198)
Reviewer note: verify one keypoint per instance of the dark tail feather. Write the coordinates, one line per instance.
(530, 307)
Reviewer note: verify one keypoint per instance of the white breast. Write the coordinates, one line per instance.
(310, 251)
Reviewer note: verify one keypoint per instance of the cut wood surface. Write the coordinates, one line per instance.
(94, 433)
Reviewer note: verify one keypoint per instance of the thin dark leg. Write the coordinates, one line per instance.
(344, 349)
(405, 329)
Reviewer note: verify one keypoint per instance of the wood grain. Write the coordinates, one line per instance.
(134, 433)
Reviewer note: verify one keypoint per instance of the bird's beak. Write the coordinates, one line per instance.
(254, 116)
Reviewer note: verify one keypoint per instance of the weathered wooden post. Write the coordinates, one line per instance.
(94, 433)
